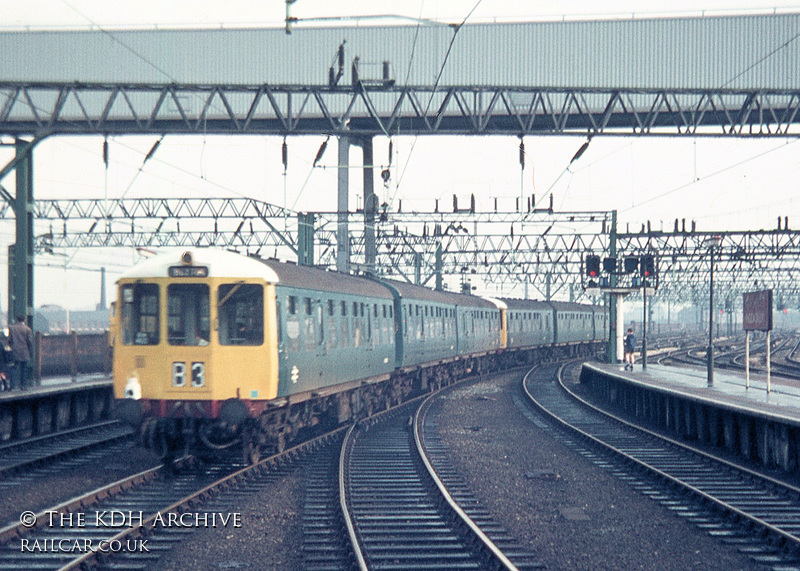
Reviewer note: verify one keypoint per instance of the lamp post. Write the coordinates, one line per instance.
(713, 242)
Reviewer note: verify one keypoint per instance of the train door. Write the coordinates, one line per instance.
(503, 327)
(319, 317)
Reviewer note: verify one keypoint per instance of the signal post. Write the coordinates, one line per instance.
(639, 273)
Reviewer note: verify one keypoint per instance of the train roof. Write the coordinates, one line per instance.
(569, 306)
(525, 304)
(306, 277)
(414, 292)
(220, 264)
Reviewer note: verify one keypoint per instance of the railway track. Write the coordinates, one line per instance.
(734, 358)
(131, 523)
(405, 507)
(23, 455)
(753, 512)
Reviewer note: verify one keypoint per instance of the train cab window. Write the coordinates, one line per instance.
(140, 314)
(241, 314)
(188, 317)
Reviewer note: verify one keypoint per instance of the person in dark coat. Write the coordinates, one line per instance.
(630, 347)
(5, 363)
(21, 342)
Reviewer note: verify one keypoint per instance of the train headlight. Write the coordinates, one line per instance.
(133, 390)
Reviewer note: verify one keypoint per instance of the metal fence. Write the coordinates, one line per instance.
(71, 354)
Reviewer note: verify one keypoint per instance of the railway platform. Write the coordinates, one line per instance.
(760, 426)
(58, 403)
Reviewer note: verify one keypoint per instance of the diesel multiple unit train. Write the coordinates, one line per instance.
(215, 350)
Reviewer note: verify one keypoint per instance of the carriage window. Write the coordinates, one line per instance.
(140, 314)
(330, 307)
(188, 318)
(241, 314)
(292, 305)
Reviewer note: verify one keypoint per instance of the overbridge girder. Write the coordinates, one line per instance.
(365, 109)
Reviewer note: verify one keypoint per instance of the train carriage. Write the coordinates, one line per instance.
(574, 322)
(329, 326)
(530, 323)
(436, 325)
(215, 350)
(186, 320)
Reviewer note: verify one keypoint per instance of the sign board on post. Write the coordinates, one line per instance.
(757, 311)
(757, 316)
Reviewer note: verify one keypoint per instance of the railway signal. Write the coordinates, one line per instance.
(647, 266)
(631, 264)
(593, 266)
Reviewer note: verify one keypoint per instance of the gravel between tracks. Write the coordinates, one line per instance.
(572, 513)
(269, 538)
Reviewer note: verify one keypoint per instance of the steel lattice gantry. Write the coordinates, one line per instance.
(365, 109)
(539, 252)
(744, 261)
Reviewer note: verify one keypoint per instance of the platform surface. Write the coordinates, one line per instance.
(729, 388)
(49, 385)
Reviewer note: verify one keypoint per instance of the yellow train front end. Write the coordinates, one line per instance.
(195, 348)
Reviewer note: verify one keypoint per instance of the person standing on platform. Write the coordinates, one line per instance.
(21, 341)
(5, 361)
(630, 346)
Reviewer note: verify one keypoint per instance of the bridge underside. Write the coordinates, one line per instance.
(47, 109)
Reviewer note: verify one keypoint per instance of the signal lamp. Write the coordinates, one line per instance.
(592, 266)
(647, 267)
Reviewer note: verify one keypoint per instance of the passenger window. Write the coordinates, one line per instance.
(240, 308)
(188, 318)
(140, 314)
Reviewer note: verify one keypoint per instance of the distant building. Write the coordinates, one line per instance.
(56, 319)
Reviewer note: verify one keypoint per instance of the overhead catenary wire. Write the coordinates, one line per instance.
(456, 29)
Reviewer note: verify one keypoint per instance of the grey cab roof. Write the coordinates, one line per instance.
(309, 278)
